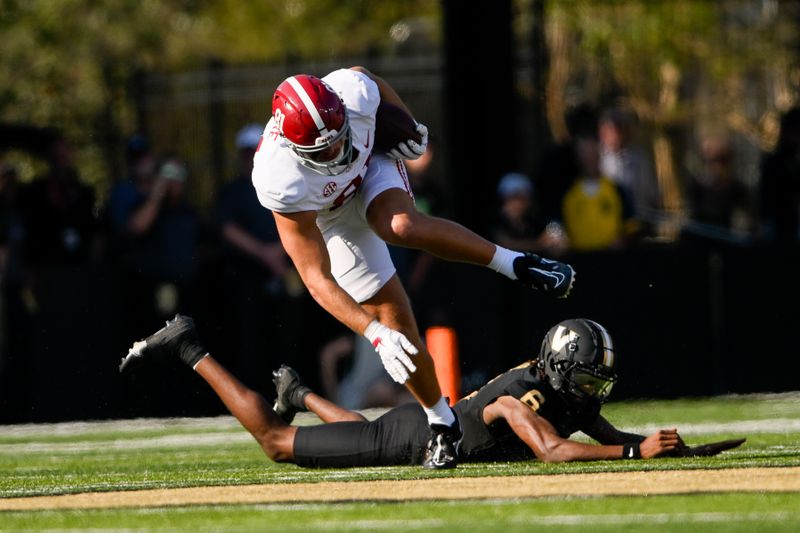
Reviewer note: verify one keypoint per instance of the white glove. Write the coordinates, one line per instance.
(394, 349)
(411, 149)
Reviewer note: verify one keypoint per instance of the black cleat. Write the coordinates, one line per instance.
(442, 450)
(177, 338)
(291, 393)
(550, 277)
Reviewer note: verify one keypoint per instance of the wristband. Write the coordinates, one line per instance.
(372, 333)
(631, 451)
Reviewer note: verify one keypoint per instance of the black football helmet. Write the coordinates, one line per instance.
(577, 357)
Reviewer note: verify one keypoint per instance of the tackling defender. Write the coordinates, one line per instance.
(529, 411)
(337, 201)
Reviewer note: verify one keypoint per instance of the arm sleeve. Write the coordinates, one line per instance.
(359, 93)
(288, 200)
(604, 432)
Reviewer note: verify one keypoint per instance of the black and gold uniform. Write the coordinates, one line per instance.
(497, 442)
(399, 437)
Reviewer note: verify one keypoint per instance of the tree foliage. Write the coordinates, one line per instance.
(646, 48)
(684, 66)
(70, 63)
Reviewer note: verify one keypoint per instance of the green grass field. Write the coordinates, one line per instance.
(44, 460)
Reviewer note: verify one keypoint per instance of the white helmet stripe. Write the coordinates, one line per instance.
(608, 345)
(310, 107)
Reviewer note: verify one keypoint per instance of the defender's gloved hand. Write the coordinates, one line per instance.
(394, 349)
(411, 149)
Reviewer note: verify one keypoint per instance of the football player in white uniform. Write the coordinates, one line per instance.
(336, 203)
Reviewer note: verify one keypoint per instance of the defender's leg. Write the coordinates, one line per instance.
(251, 410)
(294, 396)
(179, 339)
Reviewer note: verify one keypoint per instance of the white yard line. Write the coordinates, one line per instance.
(772, 425)
(742, 427)
(213, 431)
(102, 426)
(145, 443)
(579, 520)
(662, 518)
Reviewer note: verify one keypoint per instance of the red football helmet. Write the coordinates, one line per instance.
(312, 119)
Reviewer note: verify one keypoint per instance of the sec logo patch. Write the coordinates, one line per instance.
(329, 189)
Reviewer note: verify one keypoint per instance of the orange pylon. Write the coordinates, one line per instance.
(443, 346)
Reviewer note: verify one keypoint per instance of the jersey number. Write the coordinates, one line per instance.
(279, 118)
(347, 192)
(533, 399)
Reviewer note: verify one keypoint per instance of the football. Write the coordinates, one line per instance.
(393, 126)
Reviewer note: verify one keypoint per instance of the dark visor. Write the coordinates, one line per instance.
(592, 385)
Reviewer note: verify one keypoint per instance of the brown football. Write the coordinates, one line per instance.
(392, 126)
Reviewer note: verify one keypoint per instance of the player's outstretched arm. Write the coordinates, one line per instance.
(549, 446)
(304, 244)
(604, 432)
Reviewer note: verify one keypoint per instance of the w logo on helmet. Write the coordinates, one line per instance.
(562, 337)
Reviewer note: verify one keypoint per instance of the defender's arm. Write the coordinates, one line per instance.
(605, 433)
(544, 441)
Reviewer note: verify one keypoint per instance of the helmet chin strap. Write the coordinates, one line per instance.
(342, 164)
(325, 170)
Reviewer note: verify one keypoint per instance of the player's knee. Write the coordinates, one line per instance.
(274, 443)
(406, 229)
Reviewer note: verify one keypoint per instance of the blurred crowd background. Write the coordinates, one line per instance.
(654, 145)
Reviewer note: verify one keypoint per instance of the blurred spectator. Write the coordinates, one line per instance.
(352, 376)
(255, 271)
(58, 212)
(428, 195)
(10, 241)
(157, 233)
(423, 274)
(559, 167)
(137, 154)
(159, 238)
(140, 168)
(627, 164)
(780, 183)
(60, 238)
(719, 204)
(520, 225)
(597, 213)
(414, 266)
(11, 228)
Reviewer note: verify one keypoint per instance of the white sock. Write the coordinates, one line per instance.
(440, 413)
(503, 261)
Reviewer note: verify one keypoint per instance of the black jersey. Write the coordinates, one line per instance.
(498, 441)
(400, 435)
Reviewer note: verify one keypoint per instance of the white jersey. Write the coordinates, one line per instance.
(281, 181)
